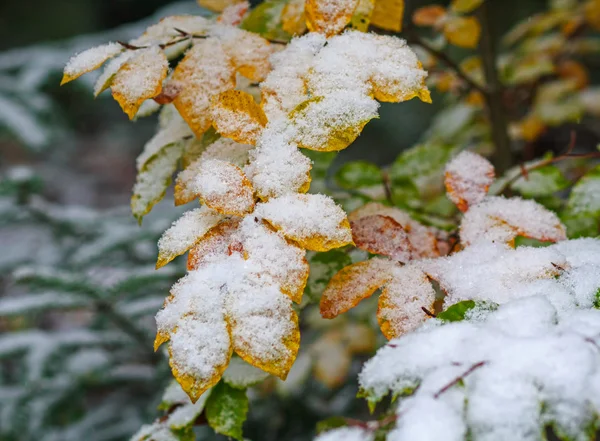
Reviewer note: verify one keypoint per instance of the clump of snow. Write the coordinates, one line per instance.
(505, 377)
(228, 150)
(498, 219)
(468, 178)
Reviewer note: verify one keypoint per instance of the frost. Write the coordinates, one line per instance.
(504, 377)
(89, 60)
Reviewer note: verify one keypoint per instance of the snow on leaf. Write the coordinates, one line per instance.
(402, 299)
(241, 375)
(264, 327)
(332, 122)
(167, 28)
(205, 71)
(249, 52)
(353, 284)
(215, 245)
(200, 344)
(223, 187)
(139, 78)
(182, 412)
(585, 196)
(347, 434)
(154, 178)
(277, 167)
(185, 233)
(314, 221)
(278, 260)
(328, 17)
(232, 15)
(361, 18)
(502, 220)
(174, 132)
(388, 15)
(89, 60)
(468, 178)
(236, 115)
(226, 410)
(462, 31)
(423, 240)
(380, 234)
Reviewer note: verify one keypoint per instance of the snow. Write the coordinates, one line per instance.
(497, 219)
(174, 132)
(241, 375)
(90, 59)
(521, 368)
(110, 70)
(306, 217)
(228, 150)
(468, 178)
(186, 231)
(223, 187)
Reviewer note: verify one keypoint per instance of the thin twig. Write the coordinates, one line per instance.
(415, 39)
(459, 379)
(387, 186)
(428, 312)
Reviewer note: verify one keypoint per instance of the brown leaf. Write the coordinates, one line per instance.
(379, 234)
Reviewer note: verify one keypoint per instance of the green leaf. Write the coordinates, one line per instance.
(581, 225)
(585, 196)
(154, 179)
(541, 182)
(457, 312)
(597, 299)
(226, 410)
(322, 268)
(422, 160)
(357, 174)
(521, 241)
(331, 423)
(265, 20)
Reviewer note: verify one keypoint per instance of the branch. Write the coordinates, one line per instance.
(459, 379)
(443, 57)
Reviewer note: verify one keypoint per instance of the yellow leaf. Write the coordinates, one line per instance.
(236, 115)
(224, 187)
(462, 31)
(249, 52)
(468, 178)
(529, 128)
(353, 284)
(465, 6)
(89, 60)
(329, 17)
(217, 5)
(359, 338)
(362, 15)
(161, 337)
(331, 360)
(402, 299)
(293, 20)
(140, 78)
(592, 13)
(314, 221)
(388, 14)
(218, 242)
(573, 70)
(429, 15)
(185, 233)
(326, 126)
(264, 328)
(205, 71)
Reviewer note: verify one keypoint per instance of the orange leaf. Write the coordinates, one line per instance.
(206, 70)
(236, 115)
(217, 243)
(224, 187)
(380, 234)
(328, 17)
(402, 299)
(462, 31)
(573, 70)
(293, 20)
(352, 284)
(139, 78)
(249, 52)
(429, 15)
(592, 13)
(468, 178)
(388, 14)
